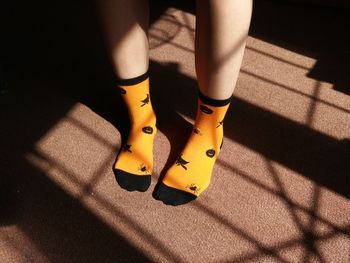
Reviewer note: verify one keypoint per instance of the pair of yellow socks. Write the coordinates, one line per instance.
(191, 173)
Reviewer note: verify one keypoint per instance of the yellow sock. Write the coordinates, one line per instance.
(190, 175)
(134, 163)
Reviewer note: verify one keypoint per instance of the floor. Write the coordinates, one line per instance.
(280, 188)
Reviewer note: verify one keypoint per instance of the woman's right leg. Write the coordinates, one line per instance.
(125, 23)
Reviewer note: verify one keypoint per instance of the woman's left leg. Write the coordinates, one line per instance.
(221, 32)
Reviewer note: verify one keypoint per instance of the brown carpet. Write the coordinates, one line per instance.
(280, 189)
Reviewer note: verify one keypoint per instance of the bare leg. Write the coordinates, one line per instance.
(126, 24)
(221, 32)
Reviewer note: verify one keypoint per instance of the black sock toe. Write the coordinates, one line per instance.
(132, 182)
(172, 196)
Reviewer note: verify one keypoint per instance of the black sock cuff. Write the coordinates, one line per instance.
(213, 102)
(133, 81)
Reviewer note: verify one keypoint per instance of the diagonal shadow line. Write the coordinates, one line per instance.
(223, 221)
(90, 132)
(168, 38)
(284, 245)
(187, 27)
(168, 41)
(313, 104)
(263, 249)
(280, 85)
(312, 222)
(95, 177)
(308, 234)
(55, 164)
(164, 32)
(276, 58)
(108, 206)
(166, 17)
(284, 197)
(243, 175)
(190, 29)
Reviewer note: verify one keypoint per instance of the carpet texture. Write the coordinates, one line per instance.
(279, 191)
